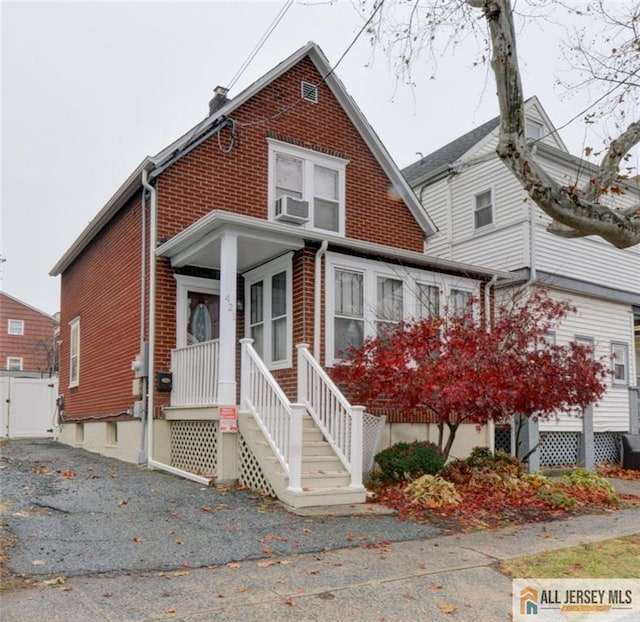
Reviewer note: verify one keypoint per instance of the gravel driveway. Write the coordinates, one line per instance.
(73, 512)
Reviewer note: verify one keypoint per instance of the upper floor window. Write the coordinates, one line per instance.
(269, 312)
(14, 363)
(74, 352)
(533, 129)
(306, 188)
(620, 363)
(587, 342)
(16, 327)
(483, 209)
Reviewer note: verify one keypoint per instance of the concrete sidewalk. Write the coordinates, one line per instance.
(417, 580)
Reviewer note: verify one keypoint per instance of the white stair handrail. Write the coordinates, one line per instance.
(279, 420)
(339, 421)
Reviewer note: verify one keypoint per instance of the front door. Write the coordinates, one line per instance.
(203, 317)
(197, 310)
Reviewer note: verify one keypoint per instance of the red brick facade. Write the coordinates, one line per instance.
(36, 346)
(102, 286)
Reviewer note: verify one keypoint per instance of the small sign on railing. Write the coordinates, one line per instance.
(228, 418)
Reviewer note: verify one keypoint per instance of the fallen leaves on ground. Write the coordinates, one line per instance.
(446, 607)
(489, 501)
(615, 471)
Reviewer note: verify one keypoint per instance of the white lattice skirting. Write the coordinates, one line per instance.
(250, 473)
(194, 446)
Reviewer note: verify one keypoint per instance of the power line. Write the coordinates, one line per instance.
(324, 78)
(261, 42)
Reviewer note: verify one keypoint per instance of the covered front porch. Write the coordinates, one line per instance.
(296, 436)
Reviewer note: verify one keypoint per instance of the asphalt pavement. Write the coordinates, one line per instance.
(108, 541)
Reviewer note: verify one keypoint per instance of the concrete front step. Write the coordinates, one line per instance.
(323, 497)
(318, 479)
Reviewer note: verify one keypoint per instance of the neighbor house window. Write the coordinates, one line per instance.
(532, 129)
(74, 352)
(620, 363)
(14, 363)
(587, 342)
(16, 327)
(483, 209)
(316, 181)
(428, 302)
(348, 318)
(269, 311)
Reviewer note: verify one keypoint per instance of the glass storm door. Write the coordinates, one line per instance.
(203, 317)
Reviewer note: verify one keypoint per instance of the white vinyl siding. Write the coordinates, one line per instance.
(604, 322)
(74, 352)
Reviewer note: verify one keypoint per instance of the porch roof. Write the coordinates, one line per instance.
(259, 240)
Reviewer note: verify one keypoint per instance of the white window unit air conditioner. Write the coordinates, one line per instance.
(292, 210)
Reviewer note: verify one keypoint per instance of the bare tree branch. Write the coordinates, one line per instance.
(577, 211)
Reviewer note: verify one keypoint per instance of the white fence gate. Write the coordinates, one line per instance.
(27, 407)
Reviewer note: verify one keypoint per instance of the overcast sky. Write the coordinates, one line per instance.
(89, 89)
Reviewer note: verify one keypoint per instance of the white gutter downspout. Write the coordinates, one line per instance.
(491, 424)
(317, 294)
(153, 234)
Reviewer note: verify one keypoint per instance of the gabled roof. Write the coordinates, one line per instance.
(449, 153)
(165, 158)
(444, 157)
(28, 306)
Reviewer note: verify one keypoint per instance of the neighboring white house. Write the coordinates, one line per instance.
(485, 217)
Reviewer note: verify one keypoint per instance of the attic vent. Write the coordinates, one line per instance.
(309, 92)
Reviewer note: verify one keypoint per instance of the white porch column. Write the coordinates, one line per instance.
(227, 442)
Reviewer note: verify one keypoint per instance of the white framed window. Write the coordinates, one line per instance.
(364, 297)
(459, 301)
(74, 352)
(348, 310)
(533, 129)
(269, 312)
(428, 303)
(390, 303)
(314, 178)
(587, 342)
(483, 209)
(14, 363)
(197, 309)
(620, 363)
(15, 327)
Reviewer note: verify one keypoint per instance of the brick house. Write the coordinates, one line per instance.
(28, 339)
(281, 232)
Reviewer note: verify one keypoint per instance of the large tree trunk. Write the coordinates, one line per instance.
(576, 212)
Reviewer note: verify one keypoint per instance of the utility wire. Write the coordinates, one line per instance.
(261, 42)
(324, 78)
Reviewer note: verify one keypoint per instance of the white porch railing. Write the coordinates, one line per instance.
(195, 374)
(279, 419)
(339, 421)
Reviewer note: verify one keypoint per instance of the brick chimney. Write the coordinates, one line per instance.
(219, 99)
